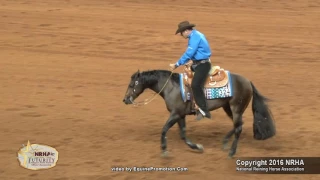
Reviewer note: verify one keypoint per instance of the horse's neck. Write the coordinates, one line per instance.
(161, 86)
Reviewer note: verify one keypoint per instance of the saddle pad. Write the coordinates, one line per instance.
(210, 93)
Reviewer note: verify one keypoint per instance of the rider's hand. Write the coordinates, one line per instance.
(172, 66)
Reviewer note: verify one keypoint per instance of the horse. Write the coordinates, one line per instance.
(167, 84)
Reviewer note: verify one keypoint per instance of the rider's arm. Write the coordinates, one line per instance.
(191, 50)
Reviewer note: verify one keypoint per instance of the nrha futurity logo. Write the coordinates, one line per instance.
(37, 156)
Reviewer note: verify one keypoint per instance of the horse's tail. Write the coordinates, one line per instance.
(263, 123)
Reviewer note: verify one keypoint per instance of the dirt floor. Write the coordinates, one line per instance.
(65, 66)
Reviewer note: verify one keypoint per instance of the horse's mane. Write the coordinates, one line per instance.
(152, 76)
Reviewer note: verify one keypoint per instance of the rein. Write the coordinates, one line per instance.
(147, 101)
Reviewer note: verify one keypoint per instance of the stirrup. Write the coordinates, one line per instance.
(202, 112)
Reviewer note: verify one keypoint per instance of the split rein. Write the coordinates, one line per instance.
(147, 101)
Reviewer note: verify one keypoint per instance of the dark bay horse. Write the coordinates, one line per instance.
(168, 87)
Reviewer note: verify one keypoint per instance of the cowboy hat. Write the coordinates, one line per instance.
(183, 26)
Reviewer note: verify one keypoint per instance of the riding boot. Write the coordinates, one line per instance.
(206, 114)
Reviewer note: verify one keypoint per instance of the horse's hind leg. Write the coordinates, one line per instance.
(238, 105)
(237, 125)
(182, 127)
(225, 140)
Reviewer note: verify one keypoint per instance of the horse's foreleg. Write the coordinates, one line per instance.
(170, 122)
(182, 127)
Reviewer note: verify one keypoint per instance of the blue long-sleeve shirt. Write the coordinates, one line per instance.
(198, 48)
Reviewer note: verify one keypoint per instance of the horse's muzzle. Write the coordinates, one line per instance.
(128, 100)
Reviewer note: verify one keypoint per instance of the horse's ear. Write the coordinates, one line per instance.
(138, 73)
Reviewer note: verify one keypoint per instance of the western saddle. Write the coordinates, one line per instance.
(217, 77)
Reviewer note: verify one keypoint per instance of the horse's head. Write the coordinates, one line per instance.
(135, 88)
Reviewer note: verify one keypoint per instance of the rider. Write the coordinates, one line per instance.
(199, 52)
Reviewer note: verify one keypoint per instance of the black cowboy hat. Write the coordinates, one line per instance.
(183, 26)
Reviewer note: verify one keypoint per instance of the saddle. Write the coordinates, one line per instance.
(217, 77)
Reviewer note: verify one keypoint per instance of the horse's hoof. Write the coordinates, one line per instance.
(231, 154)
(164, 154)
(200, 147)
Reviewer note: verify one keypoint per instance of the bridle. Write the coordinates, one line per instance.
(146, 101)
